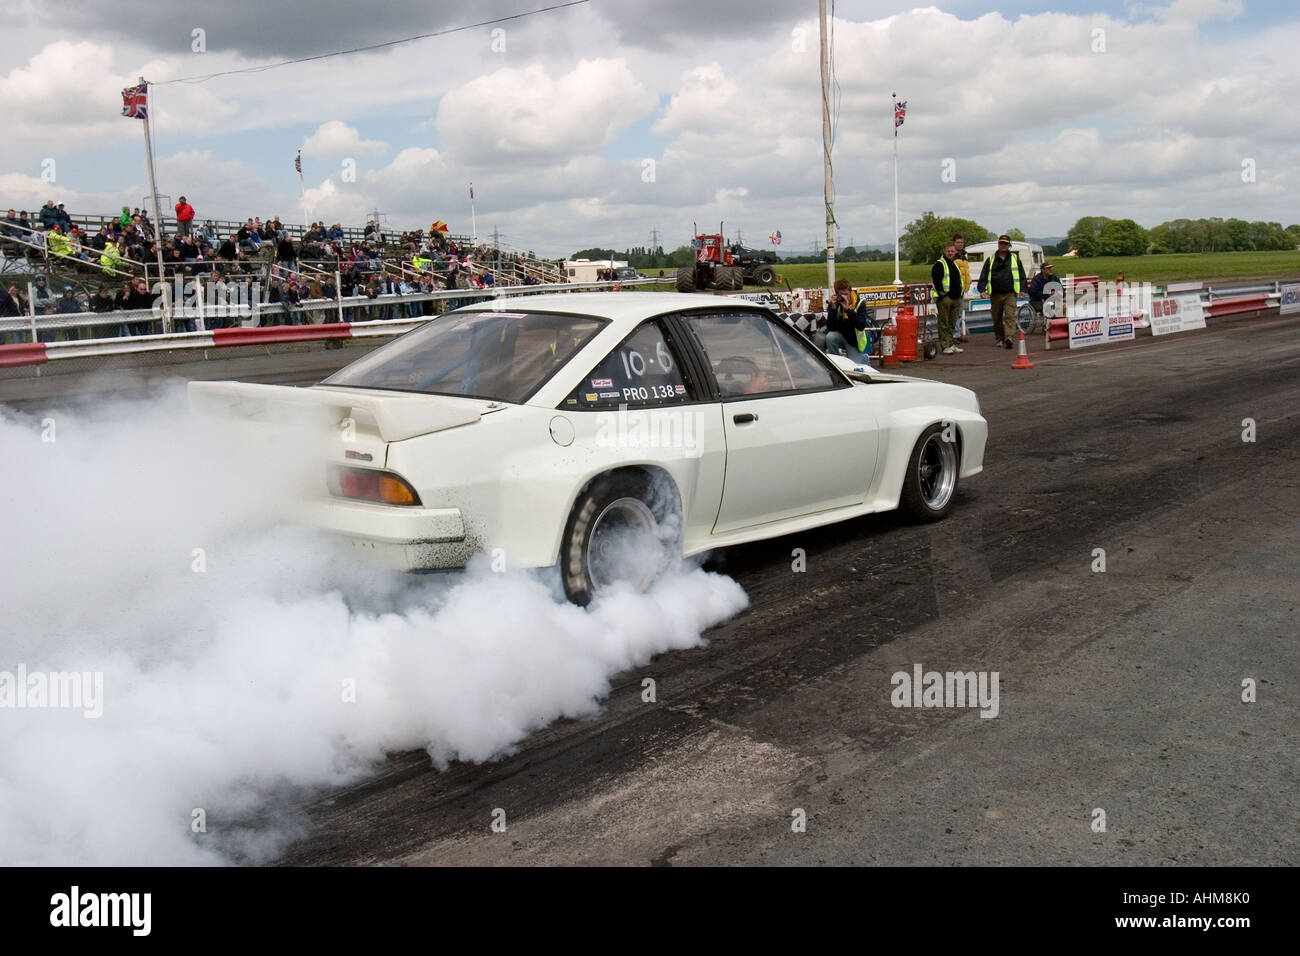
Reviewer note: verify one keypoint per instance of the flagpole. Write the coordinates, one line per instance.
(473, 219)
(897, 279)
(157, 213)
(826, 151)
(302, 188)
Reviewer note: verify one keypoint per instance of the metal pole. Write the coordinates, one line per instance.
(198, 300)
(157, 214)
(31, 308)
(897, 280)
(473, 219)
(826, 149)
(338, 293)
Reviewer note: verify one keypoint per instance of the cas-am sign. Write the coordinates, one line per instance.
(1100, 329)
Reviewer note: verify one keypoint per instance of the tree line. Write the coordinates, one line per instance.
(924, 238)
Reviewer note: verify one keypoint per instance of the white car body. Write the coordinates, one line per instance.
(498, 475)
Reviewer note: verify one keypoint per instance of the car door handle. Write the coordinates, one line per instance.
(744, 418)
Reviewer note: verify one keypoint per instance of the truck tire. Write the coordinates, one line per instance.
(729, 278)
(764, 275)
(686, 280)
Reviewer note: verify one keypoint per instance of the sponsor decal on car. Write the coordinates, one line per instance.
(614, 394)
(590, 397)
(602, 383)
(679, 389)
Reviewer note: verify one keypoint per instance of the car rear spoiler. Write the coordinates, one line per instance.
(398, 416)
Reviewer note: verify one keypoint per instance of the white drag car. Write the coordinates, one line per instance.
(604, 431)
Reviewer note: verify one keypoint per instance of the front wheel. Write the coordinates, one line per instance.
(624, 527)
(930, 482)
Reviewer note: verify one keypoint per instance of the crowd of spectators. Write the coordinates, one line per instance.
(289, 273)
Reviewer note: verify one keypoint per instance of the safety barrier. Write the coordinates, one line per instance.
(1246, 303)
(29, 353)
(1215, 303)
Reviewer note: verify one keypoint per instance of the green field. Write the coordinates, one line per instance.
(1210, 267)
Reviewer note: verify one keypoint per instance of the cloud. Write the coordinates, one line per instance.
(255, 29)
(337, 138)
(519, 113)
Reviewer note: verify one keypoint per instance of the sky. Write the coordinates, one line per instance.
(598, 123)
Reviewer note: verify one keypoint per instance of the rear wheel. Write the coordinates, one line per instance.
(686, 280)
(729, 278)
(764, 275)
(624, 527)
(930, 483)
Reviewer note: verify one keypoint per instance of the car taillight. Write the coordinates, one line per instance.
(368, 485)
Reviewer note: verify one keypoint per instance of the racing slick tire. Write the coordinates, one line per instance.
(625, 526)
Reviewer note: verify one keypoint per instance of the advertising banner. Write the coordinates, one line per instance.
(1176, 313)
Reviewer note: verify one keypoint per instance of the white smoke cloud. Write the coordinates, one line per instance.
(224, 690)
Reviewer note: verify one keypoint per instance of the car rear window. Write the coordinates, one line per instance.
(505, 356)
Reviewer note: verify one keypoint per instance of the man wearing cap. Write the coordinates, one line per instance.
(945, 276)
(1002, 279)
(1036, 284)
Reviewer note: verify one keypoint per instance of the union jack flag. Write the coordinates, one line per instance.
(900, 112)
(135, 101)
(775, 237)
(297, 163)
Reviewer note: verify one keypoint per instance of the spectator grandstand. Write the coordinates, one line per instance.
(88, 257)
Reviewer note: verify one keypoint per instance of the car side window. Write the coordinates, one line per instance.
(641, 372)
(753, 354)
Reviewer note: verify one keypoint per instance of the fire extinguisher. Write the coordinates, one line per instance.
(889, 344)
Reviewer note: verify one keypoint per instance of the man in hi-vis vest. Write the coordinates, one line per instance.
(945, 276)
(1003, 278)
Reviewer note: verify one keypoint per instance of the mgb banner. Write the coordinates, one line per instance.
(1176, 313)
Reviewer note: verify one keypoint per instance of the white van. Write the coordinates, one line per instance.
(588, 270)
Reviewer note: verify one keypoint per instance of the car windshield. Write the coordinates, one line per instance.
(505, 356)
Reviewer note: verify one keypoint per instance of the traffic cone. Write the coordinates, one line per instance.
(1022, 360)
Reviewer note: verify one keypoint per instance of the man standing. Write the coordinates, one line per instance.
(945, 276)
(964, 265)
(1001, 279)
(184, 217)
